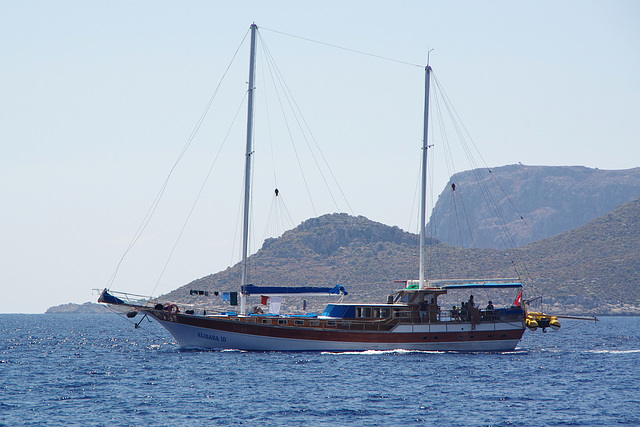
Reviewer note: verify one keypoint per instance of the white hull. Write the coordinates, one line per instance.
(195, 337)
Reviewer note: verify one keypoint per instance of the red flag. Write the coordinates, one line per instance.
(265, 299)
(518, 299)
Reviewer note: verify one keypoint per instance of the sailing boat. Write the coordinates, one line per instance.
(409, 319)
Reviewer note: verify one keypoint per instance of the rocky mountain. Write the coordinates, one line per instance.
(533, 202)
(592, 269)
(327, 250)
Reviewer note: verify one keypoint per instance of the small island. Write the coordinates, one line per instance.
(86, 308)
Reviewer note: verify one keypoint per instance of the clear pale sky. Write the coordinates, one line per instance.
(97, 100)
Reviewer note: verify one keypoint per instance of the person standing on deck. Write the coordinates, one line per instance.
(423, 310)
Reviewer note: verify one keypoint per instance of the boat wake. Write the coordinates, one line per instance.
(377, 352)
(614, 351)
(516, 351)
(401, 351)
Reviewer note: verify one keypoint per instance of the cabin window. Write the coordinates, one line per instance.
(397, 312)
(266, 321)
(358, 311)
(299, 322)
(331, 323)
(282, 321)
(366, 312)
(376, 312)
(384, 312)
(314, 323)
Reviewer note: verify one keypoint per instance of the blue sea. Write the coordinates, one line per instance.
(99, 370)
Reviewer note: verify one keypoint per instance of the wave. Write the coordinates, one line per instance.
(614, 351)
(400, 351)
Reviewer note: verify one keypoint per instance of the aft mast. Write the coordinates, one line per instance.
(423, 193)
(247, 168)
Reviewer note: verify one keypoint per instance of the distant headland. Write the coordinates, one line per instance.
(86, 308)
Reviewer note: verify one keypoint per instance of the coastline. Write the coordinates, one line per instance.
(622, 310)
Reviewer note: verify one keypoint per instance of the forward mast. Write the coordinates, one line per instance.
(247, 168)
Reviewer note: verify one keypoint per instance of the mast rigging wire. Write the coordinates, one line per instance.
(345, 48)
(308, 135)
(492, 205)
(195, 202)
(154, 205)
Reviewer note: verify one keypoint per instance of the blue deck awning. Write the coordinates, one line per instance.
(293, 290)
(483, 286)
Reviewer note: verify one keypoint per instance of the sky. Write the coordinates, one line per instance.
(98, 99)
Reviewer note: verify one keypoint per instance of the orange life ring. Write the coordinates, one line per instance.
(173, 309)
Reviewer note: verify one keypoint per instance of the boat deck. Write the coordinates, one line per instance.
(402, 319)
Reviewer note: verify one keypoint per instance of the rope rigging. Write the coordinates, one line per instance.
(442, 105)
(195, 202)
(284, 97)
(154, 205)
(344, 48)
(287, 106)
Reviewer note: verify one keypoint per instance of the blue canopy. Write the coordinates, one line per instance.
(483, 285)
(106, 297)
(292, 290)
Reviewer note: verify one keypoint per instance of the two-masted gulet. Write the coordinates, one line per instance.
(410, 318)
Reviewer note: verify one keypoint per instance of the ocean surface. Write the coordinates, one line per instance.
(100, 370)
